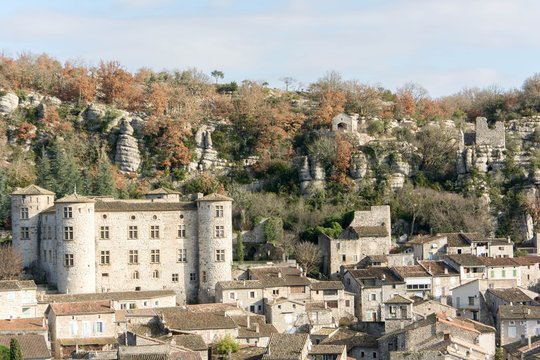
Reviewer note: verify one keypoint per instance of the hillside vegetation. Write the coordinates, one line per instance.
(60, 125)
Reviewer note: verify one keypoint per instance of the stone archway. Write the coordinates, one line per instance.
(342, 126)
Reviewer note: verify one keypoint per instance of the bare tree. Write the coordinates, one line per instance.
(11, 263)
(308, 255)
(288, 81)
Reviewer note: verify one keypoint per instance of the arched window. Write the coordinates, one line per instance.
(135, 275)
(155, 274)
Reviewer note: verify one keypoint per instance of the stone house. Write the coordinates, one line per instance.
(443, 278)
(424, 307)
(525, 348)
(372, 287)
(517, 321)
(211, 323)
(360, 345)
(401, 259)
(18, 299)
(502, 269)
(75, 326)
(247, 294)
(368, 234)
(334, 297)
(284, 314)
(398, 312)
(417, 280)
(437, 330)
(328, 352)
(345, 123)
(281, 281)
(469, 300)
(470, 267)
(428, 247)
(288, 347)
(152, 244)
(253, 330)
(119, 300)
(33, 346)
(530, 271)
(509, 296)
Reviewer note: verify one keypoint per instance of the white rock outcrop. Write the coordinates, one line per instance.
(8, 103)
(127, 155)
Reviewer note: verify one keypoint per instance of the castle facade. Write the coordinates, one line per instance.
(99, 244)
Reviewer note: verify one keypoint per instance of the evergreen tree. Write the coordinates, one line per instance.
(65, 169)
(45, 176)
(15, 352)
(5, 202)
(239, 247)
(103, 182)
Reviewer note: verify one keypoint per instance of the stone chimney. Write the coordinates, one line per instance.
(248, 322)
(257, 328)
(445, 270)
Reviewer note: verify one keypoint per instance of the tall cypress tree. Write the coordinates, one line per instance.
(103, 182)
(15, 352)
(45, 176)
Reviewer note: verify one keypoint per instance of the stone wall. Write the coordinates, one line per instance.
(493, 136)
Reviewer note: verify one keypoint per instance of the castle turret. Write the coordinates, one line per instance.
(215, 243)
(75, 234)
(26, 205)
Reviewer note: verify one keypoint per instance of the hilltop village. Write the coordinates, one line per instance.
(162, 215)
(155, 278)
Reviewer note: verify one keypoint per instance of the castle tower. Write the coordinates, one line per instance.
(26, 205)
(75, 234)
(215, 243)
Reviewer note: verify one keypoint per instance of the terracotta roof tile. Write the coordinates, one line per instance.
(83, 307)
(32, 346)
(116, 296)
(286, 346)
(32, 190)
(28, 324)
(327, 285)
(142, 205)
(411, 271)
(215, 197)
(179, 319)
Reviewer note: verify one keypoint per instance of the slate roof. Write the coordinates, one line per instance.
(422, 239)
(32, 346)
(327, 285)
(74, 198)
(357, 232)
(10, 285)
(265, 330)
(438, 267)
(270, 276)
(142, 205)
(380, 273)
(466, 259)
(327, 349)
(411, 271)
(286, 346)
(26, 324)
(162, 191)
(116, 296)
(351, 339)
(215, 197)
(80, 308)
(241, 284)
(510, 295)
(32, 190)
(511, 312)
(185, 320)
(193, 342)
(398, 299)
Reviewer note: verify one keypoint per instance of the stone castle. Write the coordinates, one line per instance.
(100, 244)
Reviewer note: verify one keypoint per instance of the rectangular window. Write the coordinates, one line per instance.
(68, 260)
(332, 304)
(25, 233)
(492, 273)
(154, 232)
(192, 277)
(24, 213)
(232, 295)
(154, 256)
(347, 303)
(44, 255)
(174, 278)
(181, 255)
(98, 326)
(68, 212)
(181, 231)
(133, 232)
(511, 331)
(104, 233)
(275, 292)
(204, 277)
(219, 211)
(133, 257)
(252, 294)
(68, 232)
(105, 258)
(373, 297)
(514, 273)
(471, 300)
(343, 257)
(220, 255)
(220, 231)
(503, 273)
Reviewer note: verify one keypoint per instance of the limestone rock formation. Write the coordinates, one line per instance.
(312, 176)
(8, 103)
(127, 155)
(359, 166)
(206, 156)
